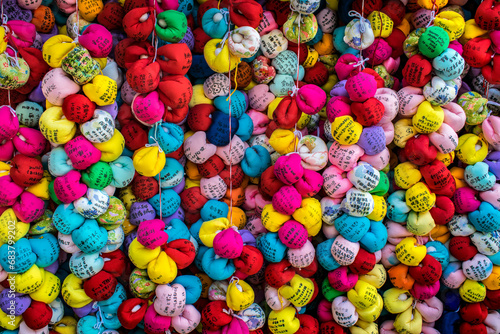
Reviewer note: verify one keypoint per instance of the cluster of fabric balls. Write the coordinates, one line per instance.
(249, 166)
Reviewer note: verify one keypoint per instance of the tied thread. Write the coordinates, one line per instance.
(295, 89)
(362, 29)
(154, 38)
(76, 28)
(228, 20)
(99, 318)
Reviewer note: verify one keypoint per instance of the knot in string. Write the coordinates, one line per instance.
(353, 13)
(14, 59)
(225, 14)
(99, 318)
(361, 62)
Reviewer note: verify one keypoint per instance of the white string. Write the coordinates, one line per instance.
(353, 13)
(361, 62)
(295, 89)
(76, 29)
(230, 124)
(15, 58)
(99, 318)
(225, 14)
(431, 20)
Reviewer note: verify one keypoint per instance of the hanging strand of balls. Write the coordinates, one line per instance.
(361, 18)
(154, 41)
(295, 88)
(227, 16)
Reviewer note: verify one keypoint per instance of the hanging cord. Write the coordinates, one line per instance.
(99, 318)
(295, 88)
(230, 114)
(155, 139)
(353, 13)
(374, 56)
(76, 28)
(154, 38)
(13, 60)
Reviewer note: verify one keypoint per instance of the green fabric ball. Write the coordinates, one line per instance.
(382, 187)
(329, 292)
(171, 26)
(433, 42)
(43, 224)
(115, 215)
(98, 176)
(52, 193)
(140, 284)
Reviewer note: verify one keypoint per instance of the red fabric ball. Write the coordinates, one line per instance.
(182, 251)
(199, 118)
(125, 114)
(136, 29)
(378, 79)
(192, 200)
(417, 71)
(38, 68)
(466, 328)
(246, 13)
(213, 316)
(177, 154)
(144, 76)
(135, 135)
(436, 174)
(212, 167)
(114, 262)
(443, 211)
(487, 15)
(295, 47)
(317, 75)
(120, 50)
(474, 313)
(237, 175)
(462, 248)
(144, 187)
(131, 4)
(363, 263)
(128, 318)
(395, 10)
(395, 41)
(78, 108)
(279, 274)
(287, 114)
(448, 189)
(308, 271)
(37, 315)
(308, 324)
(101, 286)
(368, 113)
(175, 58)
(427, 272)
(25, 171)
(477, 52)
(200, 38)
(419, 150)
(111, 16)
(176, 115)
(250, 261)
(368, 6)
(137, 51)
(492, 300)
(175, 91)
(269, 184)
